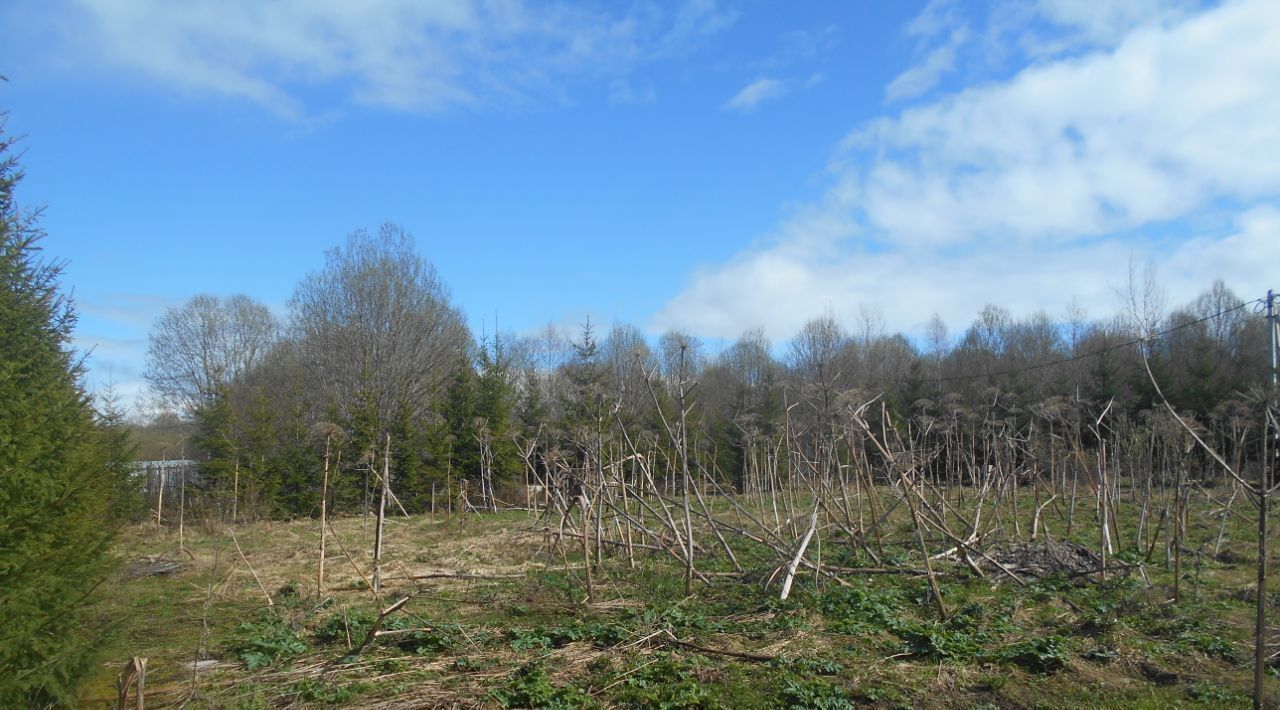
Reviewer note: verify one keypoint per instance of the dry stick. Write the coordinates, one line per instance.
(235, 491)
(134, 674)
(652, 484)
(382, 515)
(795, 561)
(602, 488)
(584, 506)
(270, 604)
(717, 651)
(924, 555)
(1178, 533)
(1104, 489)
(724, 544)
(626, 508)
(915, 515)
(375, 630)
(1226, 513)
(160, 499)
(684, 468)
(182, 509)
(354, 566)
(392, 495)
(324, 500)
(778, 545)
(682, 445)
(784, 554)
(1226, 507)
(1260, 495)
(1035, 520)
(204, 624)
(1260, 621)
(1207, 449)
(1155, 534)
(658, 540)
(476, 575)
(622, 678)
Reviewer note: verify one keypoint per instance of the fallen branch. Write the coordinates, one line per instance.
(720, 652)
(466, 575)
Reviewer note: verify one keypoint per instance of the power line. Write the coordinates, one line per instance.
(1102, 351)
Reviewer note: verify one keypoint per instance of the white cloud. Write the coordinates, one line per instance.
(1246, 258)
(977, 38)
(768, 89)
(922, 77)
(936, 17)
(405, 55)
(1169, 120)
(803, 47)
(1106, 23)
(758, 91)
(1029, 192)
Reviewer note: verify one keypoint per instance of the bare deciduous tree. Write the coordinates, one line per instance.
(204, 345)
(376, 326)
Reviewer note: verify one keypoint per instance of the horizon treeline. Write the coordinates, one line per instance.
(376, 359)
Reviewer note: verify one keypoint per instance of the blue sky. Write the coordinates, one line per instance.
(705, 166)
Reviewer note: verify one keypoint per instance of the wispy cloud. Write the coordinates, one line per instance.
(803, 46)
(758, 91)
(1104, 24)
(767, 89)
(940, 60)
(127, 309)
(1036, 189)
(971, 39)
(411, 56)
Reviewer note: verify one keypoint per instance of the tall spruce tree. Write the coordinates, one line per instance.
(63, 473)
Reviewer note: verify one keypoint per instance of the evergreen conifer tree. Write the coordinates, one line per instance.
(63, 473)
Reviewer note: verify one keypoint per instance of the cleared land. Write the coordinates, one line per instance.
(497, 615)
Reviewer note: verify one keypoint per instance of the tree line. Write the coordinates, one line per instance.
(373, 346)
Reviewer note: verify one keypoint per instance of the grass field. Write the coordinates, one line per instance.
(497, 617)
